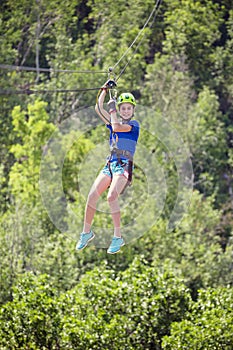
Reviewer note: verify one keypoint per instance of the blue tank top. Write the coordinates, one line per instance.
(125, 140)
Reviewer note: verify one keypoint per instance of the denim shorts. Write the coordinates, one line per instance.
(116, 168)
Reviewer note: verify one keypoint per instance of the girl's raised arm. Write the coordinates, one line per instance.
(99, 107)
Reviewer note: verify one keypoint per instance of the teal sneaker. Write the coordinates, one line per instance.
(85, 238)
(115, 246)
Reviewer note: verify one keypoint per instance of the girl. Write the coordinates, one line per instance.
(118, 171)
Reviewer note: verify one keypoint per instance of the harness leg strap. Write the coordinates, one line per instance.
(130, 172)
(127, 154)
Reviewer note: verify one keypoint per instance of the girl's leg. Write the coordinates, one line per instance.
(117, 185)
(101, 183)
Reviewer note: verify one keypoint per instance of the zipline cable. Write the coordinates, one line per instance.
(153, 12)
(48, 70)
(30, 91)
(112, 83)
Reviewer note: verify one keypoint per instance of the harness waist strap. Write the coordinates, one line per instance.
(121, 152)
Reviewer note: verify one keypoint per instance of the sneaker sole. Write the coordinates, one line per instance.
(89, 240)
(117, 250)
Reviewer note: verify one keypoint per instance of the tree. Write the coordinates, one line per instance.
(32, 319)
(207, 325)
(34, 130)
(191, 35)
(133, 310)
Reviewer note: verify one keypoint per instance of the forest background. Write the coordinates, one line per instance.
(168, 289)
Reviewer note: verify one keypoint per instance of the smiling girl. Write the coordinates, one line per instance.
(117, 173)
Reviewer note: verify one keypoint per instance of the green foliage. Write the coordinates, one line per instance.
(192, 29)
(208, 141)
(131, 311)
(208, 325)
(169, 91)
(194, 249)
(34, 130)
(78, 147)
(34, 318)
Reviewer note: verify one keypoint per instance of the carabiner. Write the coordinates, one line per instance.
(111, 84)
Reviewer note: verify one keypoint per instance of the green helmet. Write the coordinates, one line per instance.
(126, 97)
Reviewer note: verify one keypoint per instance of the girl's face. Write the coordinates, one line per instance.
(126, 110)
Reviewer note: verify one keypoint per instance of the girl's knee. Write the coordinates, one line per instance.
(92, 197)
(112, 196)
